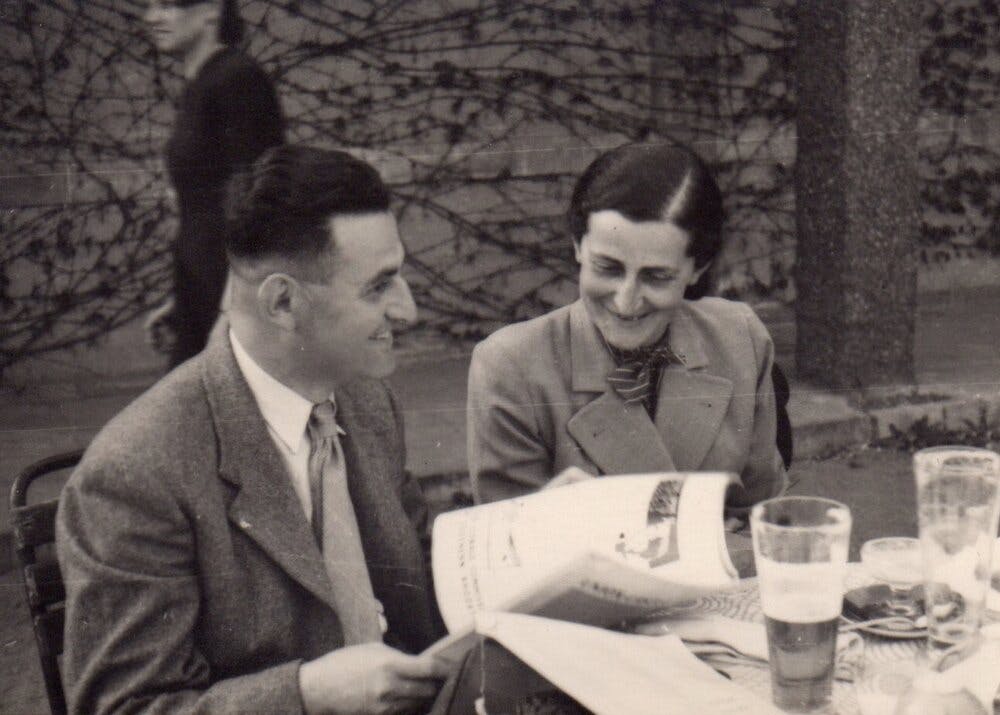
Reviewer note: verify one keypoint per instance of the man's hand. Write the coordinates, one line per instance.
(159, 333)
(369, 679)
(570, 475)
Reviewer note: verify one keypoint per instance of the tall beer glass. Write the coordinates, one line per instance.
(800, 547)
(958, 503)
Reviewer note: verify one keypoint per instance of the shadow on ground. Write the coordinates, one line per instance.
(877, 485)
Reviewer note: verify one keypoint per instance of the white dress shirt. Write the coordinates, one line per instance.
(286, 414)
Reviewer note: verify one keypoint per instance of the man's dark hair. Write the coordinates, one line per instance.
(653, 182)
(230, 26)
(230, 23)
(281, 205)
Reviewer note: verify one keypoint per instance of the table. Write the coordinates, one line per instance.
(743, 603)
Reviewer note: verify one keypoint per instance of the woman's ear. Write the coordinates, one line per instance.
(698, 273)
(576, 248)
(279, 300)
(700, 283)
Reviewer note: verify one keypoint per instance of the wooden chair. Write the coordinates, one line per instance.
(34, 544)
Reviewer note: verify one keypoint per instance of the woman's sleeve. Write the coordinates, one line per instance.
(507, 454)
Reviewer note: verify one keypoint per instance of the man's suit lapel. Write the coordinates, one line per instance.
(265, 506)
(392, 550)
(369, 467)
(620, 438)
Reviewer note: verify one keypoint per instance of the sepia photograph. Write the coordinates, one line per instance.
(500, 357)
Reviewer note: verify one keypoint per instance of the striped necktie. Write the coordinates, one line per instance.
(636, 373)
(336, 527)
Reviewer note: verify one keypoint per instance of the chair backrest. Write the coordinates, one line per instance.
(33, 528)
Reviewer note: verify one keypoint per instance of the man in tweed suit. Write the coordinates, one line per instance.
(196, 581)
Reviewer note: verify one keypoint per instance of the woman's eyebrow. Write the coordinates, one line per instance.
(670, 270)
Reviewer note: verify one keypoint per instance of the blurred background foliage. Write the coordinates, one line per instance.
(479, 113)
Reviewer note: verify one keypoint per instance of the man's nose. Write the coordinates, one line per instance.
(626, 297)
(401, 308)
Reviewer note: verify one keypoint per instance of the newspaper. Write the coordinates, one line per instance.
(612, 673)
(599, 552)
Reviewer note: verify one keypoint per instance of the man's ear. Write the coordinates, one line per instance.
(279, 300)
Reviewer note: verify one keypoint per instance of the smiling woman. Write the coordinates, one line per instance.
(631, 377)
(632, 277)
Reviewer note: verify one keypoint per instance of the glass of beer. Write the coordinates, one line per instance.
(800, 548)
(958, 503)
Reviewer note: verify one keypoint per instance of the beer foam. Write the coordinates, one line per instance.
(801, 593)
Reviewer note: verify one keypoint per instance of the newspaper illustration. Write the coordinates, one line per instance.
(599, 552)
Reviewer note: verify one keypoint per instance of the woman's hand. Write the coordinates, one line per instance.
(740, 548)
(570, 475)
(160, 334)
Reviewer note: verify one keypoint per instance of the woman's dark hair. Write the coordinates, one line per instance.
(653, 182)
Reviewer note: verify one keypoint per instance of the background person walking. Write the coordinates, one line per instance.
(227, 116)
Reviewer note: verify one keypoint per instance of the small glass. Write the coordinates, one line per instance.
(895, 561)
(879, 684)
(800, 549)
(958, 505)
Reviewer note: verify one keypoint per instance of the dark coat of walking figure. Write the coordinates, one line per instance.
(227, 116)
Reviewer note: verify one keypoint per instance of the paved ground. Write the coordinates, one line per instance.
(958, 339)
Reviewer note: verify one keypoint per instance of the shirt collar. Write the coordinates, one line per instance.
(283, 409)
(661, 348)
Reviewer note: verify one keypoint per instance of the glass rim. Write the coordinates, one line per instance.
(928, 462)
(958, 448)
(884, 539)
(757, 511)
(909, 541)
